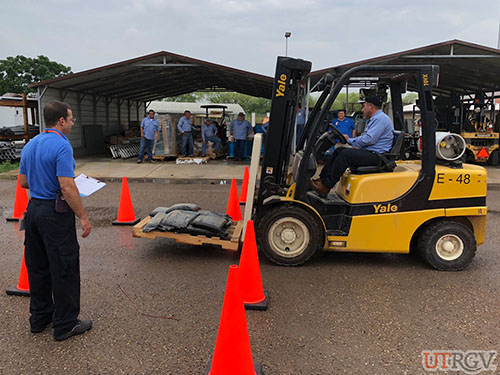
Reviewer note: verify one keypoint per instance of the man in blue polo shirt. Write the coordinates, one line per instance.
(149, 127)
(52, 250)
(208, 134)
(344, 125)
(366, 149)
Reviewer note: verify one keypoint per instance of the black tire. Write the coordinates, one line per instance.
(447, 233)
(493, 159)
(304, 231)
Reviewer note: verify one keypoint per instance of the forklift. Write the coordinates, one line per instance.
(474, 119)
(433, 207)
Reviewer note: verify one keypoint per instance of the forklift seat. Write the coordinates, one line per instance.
(387, 161)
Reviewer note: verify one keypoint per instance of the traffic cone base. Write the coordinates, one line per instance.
(23, 285)
(262, 305)
(15, 291)
(126, 222)
(257, 367)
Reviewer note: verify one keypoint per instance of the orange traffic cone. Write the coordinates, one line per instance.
(126, 214)
(244, 187)
(20, 202)
(254, 295)
(23, 286)
(233, 354)
(233, 206)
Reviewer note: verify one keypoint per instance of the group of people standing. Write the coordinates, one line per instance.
(238, 128)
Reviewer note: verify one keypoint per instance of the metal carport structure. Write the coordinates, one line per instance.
(465, 68)
(115, 96)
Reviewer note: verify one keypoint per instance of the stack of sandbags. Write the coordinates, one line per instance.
(188, 218)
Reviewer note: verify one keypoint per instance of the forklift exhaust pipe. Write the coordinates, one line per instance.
(449, 146)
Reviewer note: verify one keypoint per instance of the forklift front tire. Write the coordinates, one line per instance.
(447, 245)
(289, 235)
(493, 159)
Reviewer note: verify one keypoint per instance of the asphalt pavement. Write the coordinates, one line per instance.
(338, 314)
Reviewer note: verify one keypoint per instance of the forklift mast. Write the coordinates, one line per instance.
(280, 134)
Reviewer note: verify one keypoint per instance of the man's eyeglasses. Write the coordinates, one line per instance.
(73, 120)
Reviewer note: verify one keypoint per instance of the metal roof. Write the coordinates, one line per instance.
(159, 75)
(465, 67)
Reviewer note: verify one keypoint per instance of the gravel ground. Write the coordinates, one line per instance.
(339, 314)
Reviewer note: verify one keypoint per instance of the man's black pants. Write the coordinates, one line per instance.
(344, 158)
(52, 260)
(239, 148)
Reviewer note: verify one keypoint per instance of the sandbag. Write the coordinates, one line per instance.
(205, 232)
(154, 222)
(211, 221)
(178, 206)
(178, 219)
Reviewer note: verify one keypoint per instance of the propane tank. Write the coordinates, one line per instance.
(449, 146)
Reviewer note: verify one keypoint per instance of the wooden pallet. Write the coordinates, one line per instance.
(164, 157)
(230, 244)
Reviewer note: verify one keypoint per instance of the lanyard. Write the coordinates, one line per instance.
(52, 131)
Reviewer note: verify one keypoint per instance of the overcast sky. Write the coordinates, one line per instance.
(246, 34)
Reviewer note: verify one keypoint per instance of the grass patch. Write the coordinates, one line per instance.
(6, 166)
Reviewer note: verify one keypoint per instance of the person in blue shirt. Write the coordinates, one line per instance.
(239, 129)
(344, 125)
(300, 119)
(208, 132)
(366, 149)
(51, 245)
(149, 127)
(186, 128)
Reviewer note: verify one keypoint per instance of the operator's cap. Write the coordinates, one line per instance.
(241, 114)
(373, 99)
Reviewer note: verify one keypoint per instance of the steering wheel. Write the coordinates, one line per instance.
(337, 136)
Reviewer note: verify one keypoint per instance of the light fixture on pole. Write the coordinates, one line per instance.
(288, 34)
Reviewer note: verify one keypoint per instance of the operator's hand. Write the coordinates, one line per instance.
(85, 223)
(346, 137)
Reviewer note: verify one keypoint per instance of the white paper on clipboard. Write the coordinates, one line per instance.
(88, 185)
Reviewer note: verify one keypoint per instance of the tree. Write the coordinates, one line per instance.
(16, 73)
(410, 98)
(191, 97)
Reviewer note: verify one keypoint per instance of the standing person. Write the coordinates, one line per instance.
(149, 128)
(52, 250)
(366, 149)
(208, 132)
(300, 119)
(344, 124)
(240, 128)
(186, 127)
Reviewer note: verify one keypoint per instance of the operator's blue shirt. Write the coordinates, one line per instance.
(346, 126)
(185, 125)
(301, 117)
(47, 156)
(208, 131)
(150, 126)
(378, 134)
(240, 129)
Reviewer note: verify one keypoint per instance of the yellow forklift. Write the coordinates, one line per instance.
(434, 207)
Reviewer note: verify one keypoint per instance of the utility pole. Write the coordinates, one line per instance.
(288, 34)
(498, 42)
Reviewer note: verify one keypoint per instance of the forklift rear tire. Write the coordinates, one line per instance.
(290, 235)
(447, 245)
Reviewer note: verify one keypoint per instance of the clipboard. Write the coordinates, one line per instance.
(87, 185)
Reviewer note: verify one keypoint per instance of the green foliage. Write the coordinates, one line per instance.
(6, 166)
(410, 98)
(352, 105)
(16, 73)
(248, 103)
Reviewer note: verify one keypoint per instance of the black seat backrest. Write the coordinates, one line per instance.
(397, 143)
(387, 159)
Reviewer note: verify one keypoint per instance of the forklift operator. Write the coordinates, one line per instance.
(366, 149)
